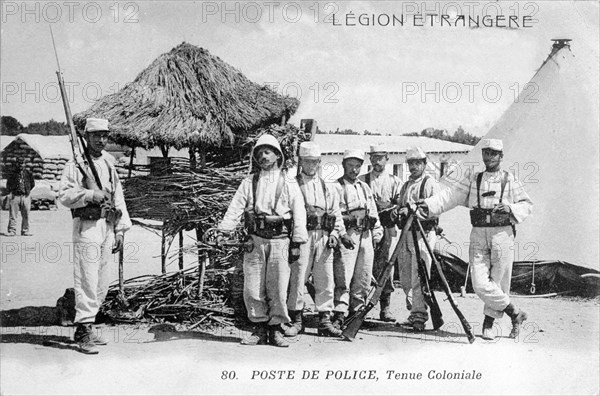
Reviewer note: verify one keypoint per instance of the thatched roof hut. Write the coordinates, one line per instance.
(188, 96)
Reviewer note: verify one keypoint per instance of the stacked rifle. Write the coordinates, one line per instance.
(413, 224)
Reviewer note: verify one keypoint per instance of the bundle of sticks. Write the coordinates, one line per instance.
(173, 297)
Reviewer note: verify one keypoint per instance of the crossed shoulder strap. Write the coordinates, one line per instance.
(302, 185)
(502, 186)
(422, 187)
(278, 190)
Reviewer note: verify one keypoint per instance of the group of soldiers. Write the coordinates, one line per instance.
(344, 233)
(339, 234)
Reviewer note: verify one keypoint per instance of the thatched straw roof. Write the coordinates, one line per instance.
(184, 91)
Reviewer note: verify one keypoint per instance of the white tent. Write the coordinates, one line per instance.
(551, 142)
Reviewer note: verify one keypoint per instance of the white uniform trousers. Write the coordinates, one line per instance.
(93, 242)
(352, 272)
(418, 313)
(317, 258)
(491, 256)
(266, 280)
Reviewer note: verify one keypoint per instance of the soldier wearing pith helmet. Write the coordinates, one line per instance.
(325, 225)
(353, 263)
(275, 218)
(100, 219)
(386, 192)
(497, 201)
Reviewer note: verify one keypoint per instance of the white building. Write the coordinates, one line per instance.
(440, 153)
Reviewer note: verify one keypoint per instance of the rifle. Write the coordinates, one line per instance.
(428, 294)
(81, 155)
(463, 321)
(354, 322)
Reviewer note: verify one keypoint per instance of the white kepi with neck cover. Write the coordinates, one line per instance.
(551, 144)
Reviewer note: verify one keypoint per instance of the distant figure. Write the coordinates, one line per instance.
(497, 201)
(100, 220)
(19, 185)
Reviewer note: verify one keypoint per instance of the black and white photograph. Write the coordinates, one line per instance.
(300, 197)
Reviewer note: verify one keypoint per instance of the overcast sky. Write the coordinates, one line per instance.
(348, 76)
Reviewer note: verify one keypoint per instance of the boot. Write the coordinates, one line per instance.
(487, 333)
(83, 338)
(338, 320)
(276, 337)
(418, 327)
(258, 337)
(326, 328)
(384, 302)
(97, 339)
(517, 317)
(296, 326)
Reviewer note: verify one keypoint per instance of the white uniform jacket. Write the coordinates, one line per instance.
(73, 194)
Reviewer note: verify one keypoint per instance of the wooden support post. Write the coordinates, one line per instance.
(192, 154)
(202, 154)
(180, 249)
(163, 253)
(203, 260)
(121, 281)
(131, 161)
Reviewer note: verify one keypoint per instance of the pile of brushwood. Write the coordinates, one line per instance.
(180, 297)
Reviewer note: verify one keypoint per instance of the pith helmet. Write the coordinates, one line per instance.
(269, 140)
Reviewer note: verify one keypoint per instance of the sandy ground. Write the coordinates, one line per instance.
(557, 352)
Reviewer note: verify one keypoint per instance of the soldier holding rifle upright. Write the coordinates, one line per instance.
(275, 217)
(497, 201)
(100, 220)
(386, 191)
(353, 264)
(418, 186)
(325, 225)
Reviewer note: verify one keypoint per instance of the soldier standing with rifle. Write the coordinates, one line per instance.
(353, 263)
(386, 191)
(325, 225)
(100, 220)
(418, 186)
(497, 201)
(275, 218)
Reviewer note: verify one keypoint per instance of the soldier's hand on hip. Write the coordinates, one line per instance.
(118, 246)
(100, 196)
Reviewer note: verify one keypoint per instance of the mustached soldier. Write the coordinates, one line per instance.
(418, 186)
(386, 191)
(325, 225)
(353, 264)
(274, 213)
(100, 218)
(497, 201)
